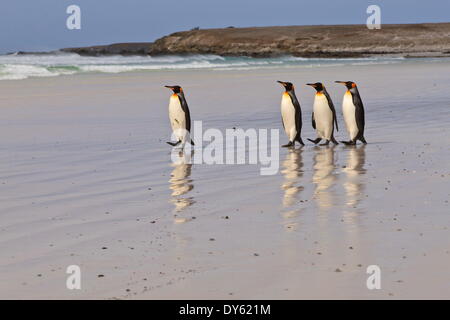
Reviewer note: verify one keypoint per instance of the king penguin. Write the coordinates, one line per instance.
(179, 116)
(353, 110)
(291, 115)
(323, 116)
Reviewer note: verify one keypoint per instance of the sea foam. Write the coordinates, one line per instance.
(17, 67)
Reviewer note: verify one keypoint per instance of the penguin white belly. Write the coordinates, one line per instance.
(349, 111)
(323, 117)
(288, 115)
(177, 117)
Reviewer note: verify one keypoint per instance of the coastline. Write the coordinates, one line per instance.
(330, 41)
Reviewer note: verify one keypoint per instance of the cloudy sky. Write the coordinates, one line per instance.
(41, 24)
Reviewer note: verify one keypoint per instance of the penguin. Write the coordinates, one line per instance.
(323, 116)
(291, 115)
(179, 116)
(353, 110)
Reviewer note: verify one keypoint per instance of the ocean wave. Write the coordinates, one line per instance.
(22, 71)
(17, 67)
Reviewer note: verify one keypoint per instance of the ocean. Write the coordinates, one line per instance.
(19, 67)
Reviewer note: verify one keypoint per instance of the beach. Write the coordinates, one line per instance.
(86, 179)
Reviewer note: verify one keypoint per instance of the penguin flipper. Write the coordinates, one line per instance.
(174, 144)
(333, 110)
(185, 108)
(192, 142)
(359, 113)
(313, 121)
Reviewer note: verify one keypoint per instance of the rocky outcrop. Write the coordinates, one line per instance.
(310, 41)
(125, 49)
(432, 39)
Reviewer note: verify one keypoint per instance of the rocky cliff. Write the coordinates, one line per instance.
(310, 41)
(304, 41)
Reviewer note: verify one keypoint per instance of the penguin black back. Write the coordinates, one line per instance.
(180, 93)
(359, 110)
(297, 116)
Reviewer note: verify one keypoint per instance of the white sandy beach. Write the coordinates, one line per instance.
(86, 179)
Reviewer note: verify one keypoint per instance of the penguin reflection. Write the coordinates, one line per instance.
(324, 176)
(353, 185)
(180, 184)
(292, 172)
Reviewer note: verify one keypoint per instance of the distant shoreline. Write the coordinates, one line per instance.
(338, 41)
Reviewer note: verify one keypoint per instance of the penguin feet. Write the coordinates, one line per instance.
(349, 143)
(174, 144)
(325, 143)
(289, 145)
(316, 141)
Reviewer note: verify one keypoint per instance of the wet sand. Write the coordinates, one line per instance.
(86, 179)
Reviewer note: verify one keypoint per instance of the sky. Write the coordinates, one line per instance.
(40, 25)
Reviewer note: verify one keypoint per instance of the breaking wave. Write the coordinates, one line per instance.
(17, 67)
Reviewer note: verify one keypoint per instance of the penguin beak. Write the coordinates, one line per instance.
(311, 84)
(171, 88)
(282, 83)
(343, 82)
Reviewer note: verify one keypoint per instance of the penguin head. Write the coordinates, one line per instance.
(318, 86)
(349, 84)
(175, 89)
(287, 85)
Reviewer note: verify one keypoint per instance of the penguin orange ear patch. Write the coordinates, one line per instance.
(353, 84)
